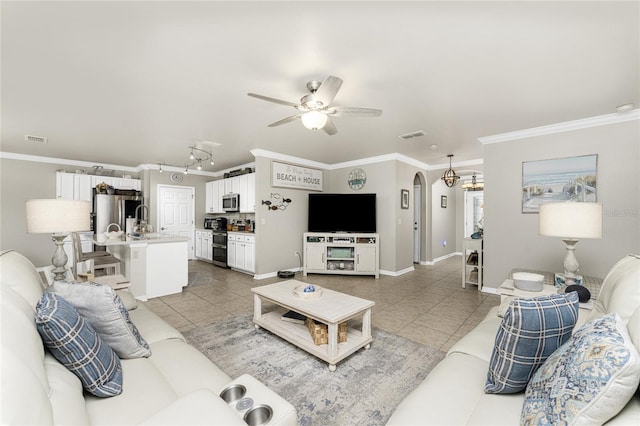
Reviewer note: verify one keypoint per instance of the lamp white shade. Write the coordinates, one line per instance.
(314, 120)
(571, 220)
(49, 216)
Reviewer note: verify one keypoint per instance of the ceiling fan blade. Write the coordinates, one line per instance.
(342, 111)
(285, 120)
(274, 100)
(328, 90)
(330, 128)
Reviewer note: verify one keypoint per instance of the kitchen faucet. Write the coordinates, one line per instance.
(138, 208)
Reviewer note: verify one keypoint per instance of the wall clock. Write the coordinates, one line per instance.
(176, 177)
(357, 179)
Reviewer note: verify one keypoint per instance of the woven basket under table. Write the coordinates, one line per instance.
(320, 332)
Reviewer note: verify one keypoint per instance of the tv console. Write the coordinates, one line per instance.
(340, 253)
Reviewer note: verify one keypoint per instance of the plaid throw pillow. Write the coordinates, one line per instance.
(531, 330)
(101, 306)
(74, 343)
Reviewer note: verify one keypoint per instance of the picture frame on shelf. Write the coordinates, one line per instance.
(404, 198)
(443, 201)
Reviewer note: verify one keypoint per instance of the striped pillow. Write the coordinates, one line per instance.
(531, 330)
(73, 342)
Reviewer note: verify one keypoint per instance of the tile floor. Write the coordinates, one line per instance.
(427, 305)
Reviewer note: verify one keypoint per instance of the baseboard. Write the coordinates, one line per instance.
(440, 259)
(397, 273)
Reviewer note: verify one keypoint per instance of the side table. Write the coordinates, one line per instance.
(508, 291)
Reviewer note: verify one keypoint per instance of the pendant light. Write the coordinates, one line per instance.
(450, 178)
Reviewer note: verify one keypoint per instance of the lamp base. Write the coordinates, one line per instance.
(60, 258)
(571, 265)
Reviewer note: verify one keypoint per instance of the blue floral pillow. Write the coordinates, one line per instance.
(74, 343)
(531, 330)
(588, 380)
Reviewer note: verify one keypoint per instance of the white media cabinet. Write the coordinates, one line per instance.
(336, 253)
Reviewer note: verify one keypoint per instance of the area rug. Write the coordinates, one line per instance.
(364, 390)
(196, 279)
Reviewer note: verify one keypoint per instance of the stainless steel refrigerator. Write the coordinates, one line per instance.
(115, 208)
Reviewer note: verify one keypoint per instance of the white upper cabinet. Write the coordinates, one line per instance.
(245, 185)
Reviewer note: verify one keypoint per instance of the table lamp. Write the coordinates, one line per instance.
(571, 221)
(57, 217)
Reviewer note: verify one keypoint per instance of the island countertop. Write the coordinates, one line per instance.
(153, 238)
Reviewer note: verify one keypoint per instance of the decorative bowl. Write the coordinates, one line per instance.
(299, 291)
(528, 281)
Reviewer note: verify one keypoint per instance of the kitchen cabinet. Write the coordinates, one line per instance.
(247, 193)
(245, 185)
(213, 196)
(203, 241)
(198, 244)
(77, 186)
(73, 186)
(118, 183)
(241, 251)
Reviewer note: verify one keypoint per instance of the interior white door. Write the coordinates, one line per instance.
(176, 212)
(417, 204)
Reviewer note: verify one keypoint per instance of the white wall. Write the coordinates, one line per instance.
(511, 237)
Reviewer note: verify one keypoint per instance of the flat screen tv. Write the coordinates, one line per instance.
(342, 213)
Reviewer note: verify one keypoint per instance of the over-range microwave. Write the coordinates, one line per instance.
(231, 202)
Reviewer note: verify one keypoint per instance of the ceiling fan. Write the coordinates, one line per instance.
(315, 108)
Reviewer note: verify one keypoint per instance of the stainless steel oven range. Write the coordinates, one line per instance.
(219, 248)
(218, 227)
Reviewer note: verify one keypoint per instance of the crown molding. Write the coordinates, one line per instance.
(360, 162)
(66, 162)
(567, 126)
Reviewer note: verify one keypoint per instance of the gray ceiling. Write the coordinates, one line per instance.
(129, 83)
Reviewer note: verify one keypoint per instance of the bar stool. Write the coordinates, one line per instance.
(101, 260)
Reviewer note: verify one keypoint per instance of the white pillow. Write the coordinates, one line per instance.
(102, 308)
(588, 380)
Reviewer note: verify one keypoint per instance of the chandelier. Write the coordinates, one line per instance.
(196, 157)
(450, 178)
(474, 185)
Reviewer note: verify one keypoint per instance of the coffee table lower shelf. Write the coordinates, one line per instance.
(298, 334)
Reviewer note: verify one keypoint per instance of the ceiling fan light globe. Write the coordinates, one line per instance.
(314, 120)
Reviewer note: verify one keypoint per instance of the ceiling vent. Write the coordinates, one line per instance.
(39, 139)
(412, 135)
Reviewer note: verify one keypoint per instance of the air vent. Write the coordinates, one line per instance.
(39, 139)
(412, 135)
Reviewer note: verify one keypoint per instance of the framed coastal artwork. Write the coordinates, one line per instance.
(557, 180)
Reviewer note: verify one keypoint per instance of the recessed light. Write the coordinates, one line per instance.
(434, 147)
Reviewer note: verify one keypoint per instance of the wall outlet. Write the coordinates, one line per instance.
(443, 243)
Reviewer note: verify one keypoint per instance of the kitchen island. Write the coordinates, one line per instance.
(156, 265)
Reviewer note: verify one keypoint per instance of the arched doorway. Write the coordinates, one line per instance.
(419, 218)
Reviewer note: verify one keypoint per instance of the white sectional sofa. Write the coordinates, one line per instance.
(453, 393)
(175, 385)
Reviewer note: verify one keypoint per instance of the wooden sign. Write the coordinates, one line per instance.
(290, 176)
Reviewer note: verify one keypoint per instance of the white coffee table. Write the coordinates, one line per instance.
(330, 308)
